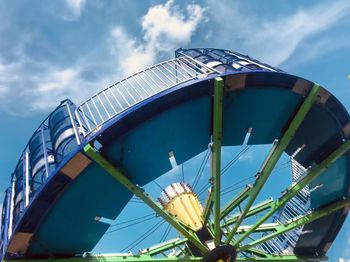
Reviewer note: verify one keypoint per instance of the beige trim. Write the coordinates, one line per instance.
(76, 165)
(346, 130)
(301, 87)
(323, 95)
(20, 242)
(234, 82)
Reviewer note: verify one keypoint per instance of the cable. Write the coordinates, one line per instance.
(237, 183)
(234, 160)
(166, 233)
(133, 224)
(201, 169)
(135, 202)
(132, 220)
(232, 190)
(227, 166)
(144, 236)
(183, 172)
(155, 182)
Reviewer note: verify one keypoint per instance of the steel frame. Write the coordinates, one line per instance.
(274, 156)
(250, 193)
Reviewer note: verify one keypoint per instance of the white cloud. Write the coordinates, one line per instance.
(130, 55)
(75, 7)
(274, 39)
(24, 92)
(165, 27)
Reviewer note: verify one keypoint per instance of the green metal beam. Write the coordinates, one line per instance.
(155, 250)
(235, 202)
(139, 192)
(261, 228)
(144, 258)
(292, 224)
(215, 167)
(113, 258)
(256, 209)
(297, 187)
(275, 155)
(257, 252)
(208, 207)
(284, 258)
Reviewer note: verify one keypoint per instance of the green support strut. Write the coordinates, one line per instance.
(139, 192)
(216, 155)
(297, 187)
(298, 222)
(274, 156)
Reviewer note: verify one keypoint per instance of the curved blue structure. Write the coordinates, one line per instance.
(58, 193)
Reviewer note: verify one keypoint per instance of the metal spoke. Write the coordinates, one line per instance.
(295, 223)
(208, 207)
(236, 201)
(252, 211)
(139, 192)
(116, 258)
(274, 156)
(155, 250)
(215, 166)
(298, 186)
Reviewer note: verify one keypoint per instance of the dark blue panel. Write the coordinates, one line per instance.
(71, 225)
(266, 110)
(143, 153)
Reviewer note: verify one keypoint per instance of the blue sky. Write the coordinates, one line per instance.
(53, 50)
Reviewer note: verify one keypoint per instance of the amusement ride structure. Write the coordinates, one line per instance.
(85, 163)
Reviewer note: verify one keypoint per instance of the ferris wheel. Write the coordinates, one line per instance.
(162, 150)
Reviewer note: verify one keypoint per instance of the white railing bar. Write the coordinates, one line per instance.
(121, 94)
(79, 120)
(26, 199)
(153, 80)
(197, 68)
(189, 69)
(104, 108)
(200, 63)
(181, 68)
(98, 111)
(156, 75)
(92, 116)
(170, 80)
(127, 90)
(178, 80)
(112, 92)
(170, 60)
(74, 128)
(129, 86)
(134, 78)
(189, 64)
(44, 150)
(109, 101)
(11, 207)
(176, 70)
(139, 75)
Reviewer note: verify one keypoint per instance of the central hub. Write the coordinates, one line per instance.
(180, 201)
(224, 253)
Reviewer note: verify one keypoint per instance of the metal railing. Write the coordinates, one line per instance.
(108, 103)
(295, 207)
